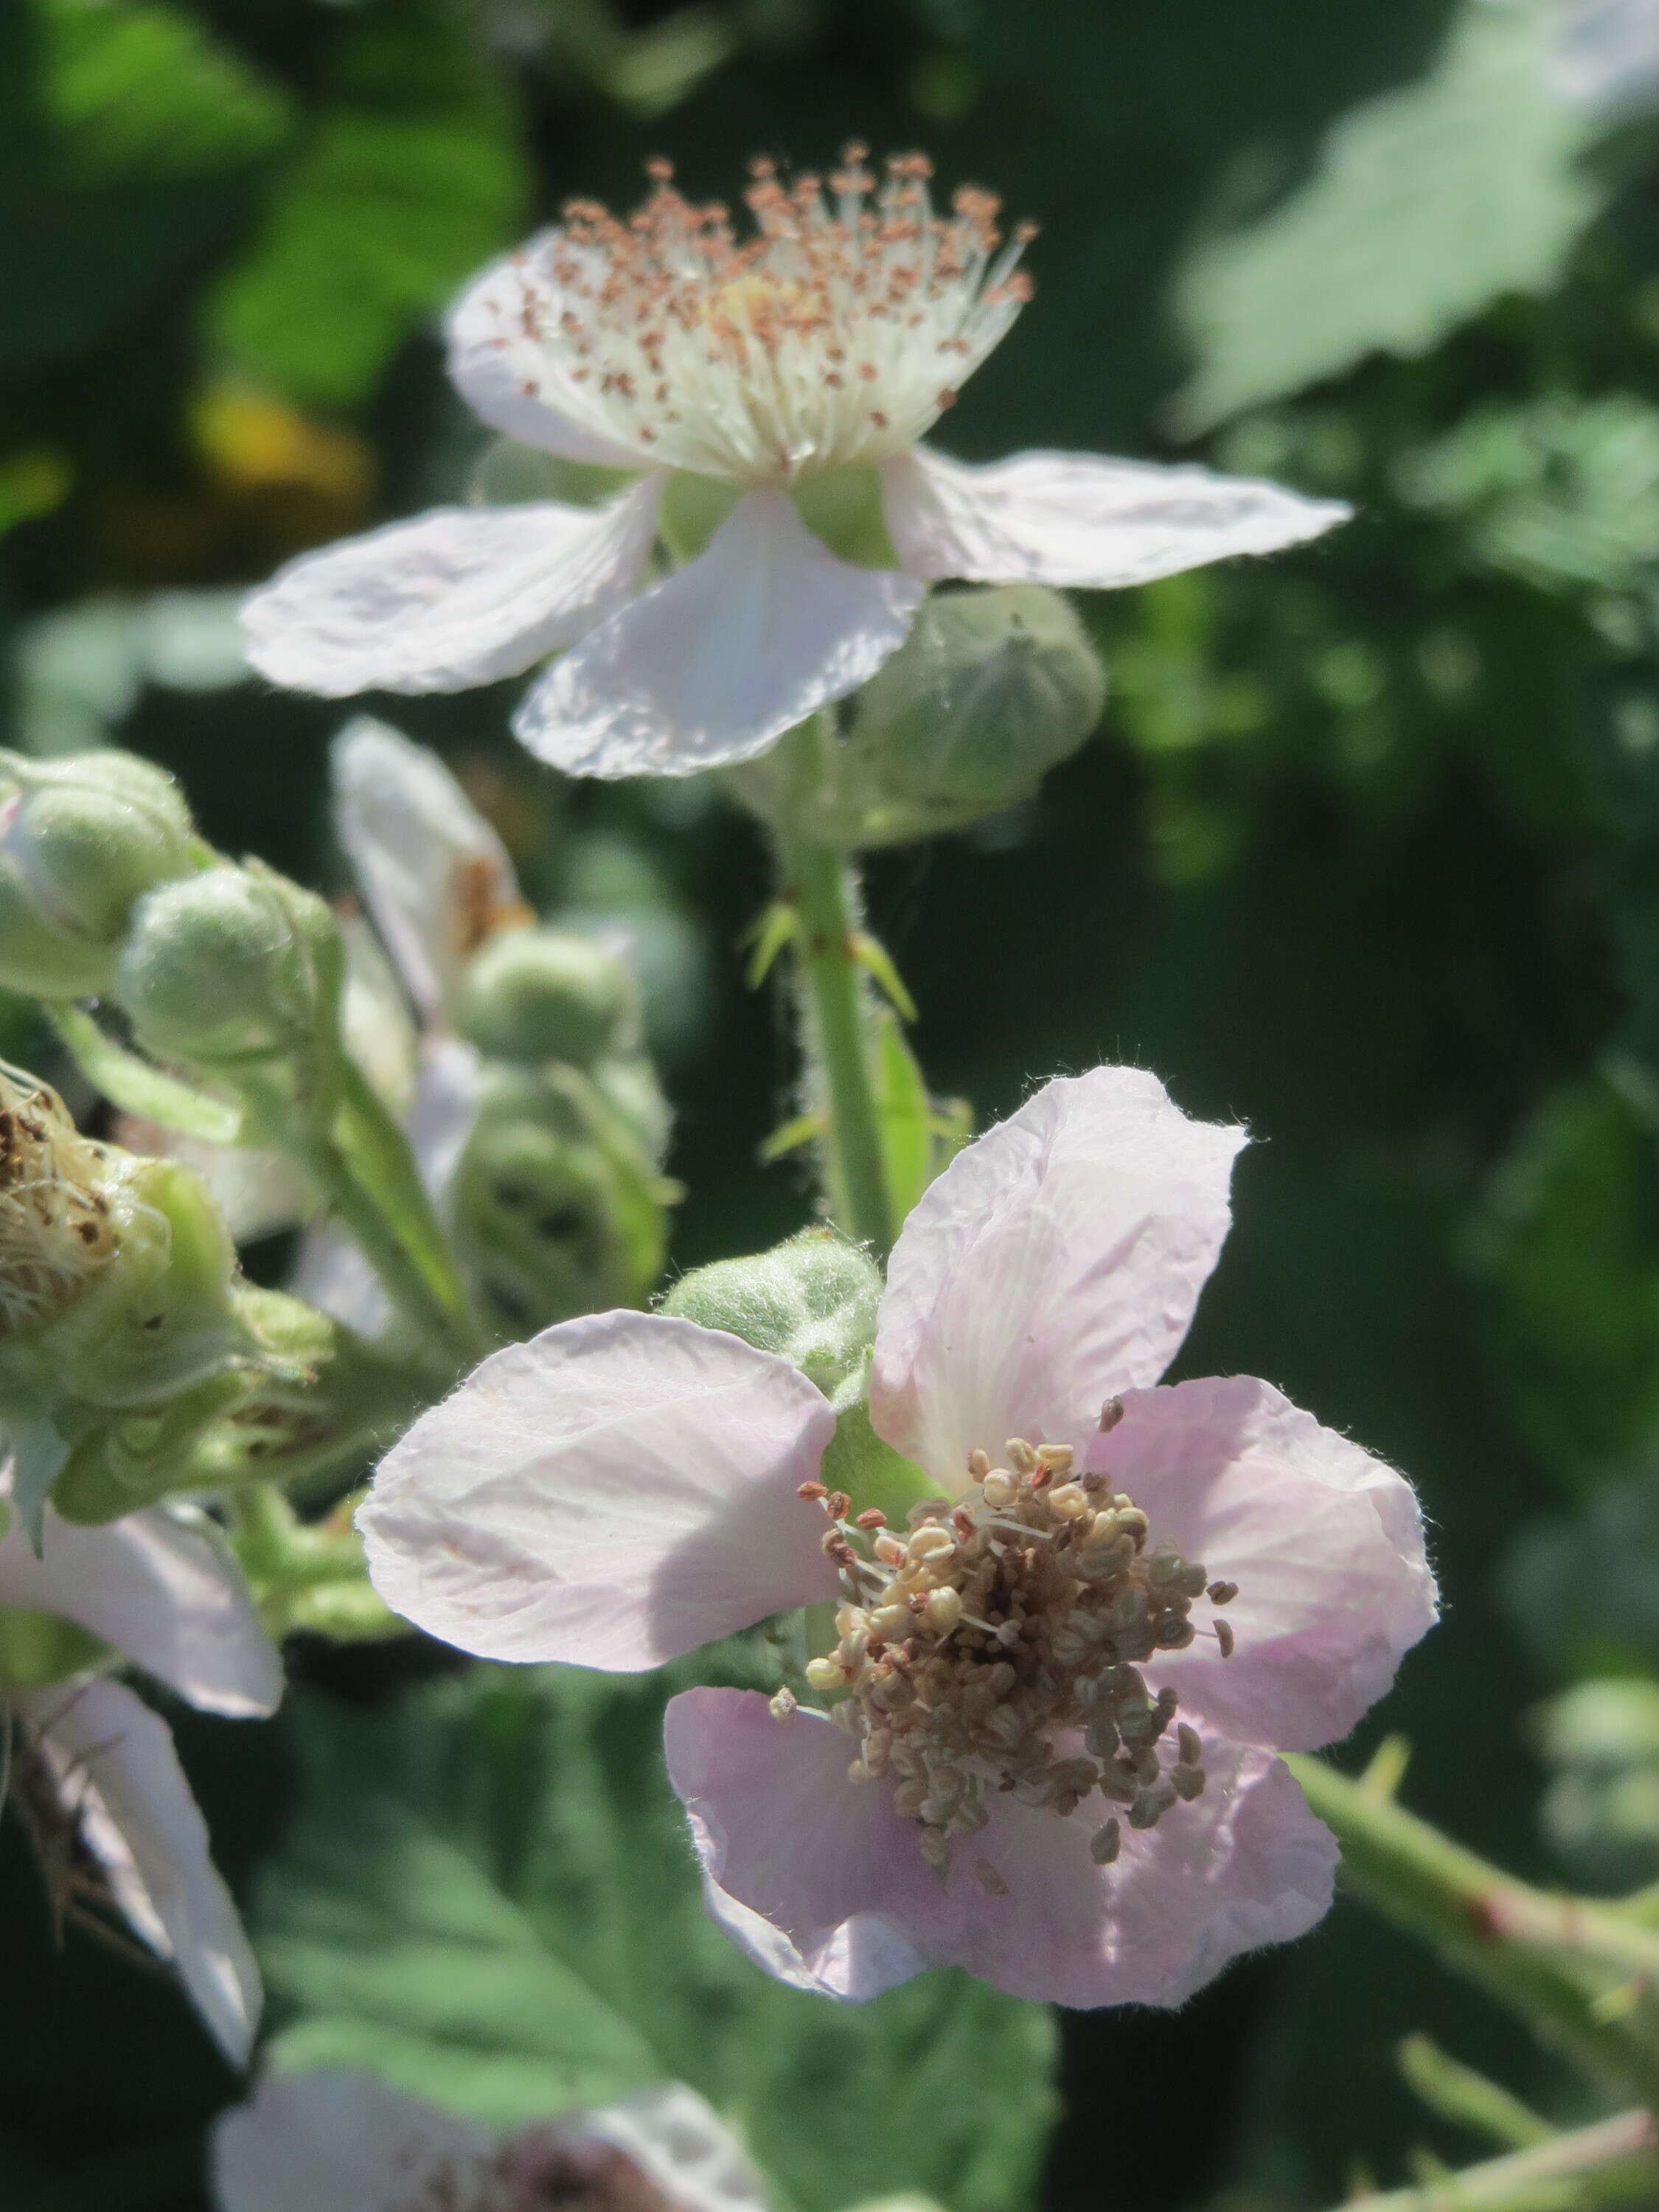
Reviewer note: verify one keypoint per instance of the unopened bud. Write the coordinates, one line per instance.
(80, 839)
(812, 1300)
(993, 688)
(230, 968)
(534, 995)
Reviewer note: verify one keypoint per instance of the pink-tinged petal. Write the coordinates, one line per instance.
(519, 385)
(432, 870)
(458, 597)
(1324, 1543)
(815, 1877)
(668, 2133)
(821, 1882)
(115, 1768)
(615, 1493)
(1056, 1260)
(1080, 519)
(343, 2143)
(165, 1592)
(709, 667)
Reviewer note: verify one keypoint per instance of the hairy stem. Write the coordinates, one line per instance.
(819, 881)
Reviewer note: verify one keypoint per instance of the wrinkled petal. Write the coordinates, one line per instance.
(1078, 519)
(615, 1493)
(1324, 1541)
(458, 597)
(331, 1272)
(709, 667)
(669, 2133)
(1055, 1261)
(343, 2142)
(115, 1768)
(827, 1864)
(517, 385)
(163, 1590)
(433, 873)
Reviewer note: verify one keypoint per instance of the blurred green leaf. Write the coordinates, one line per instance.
(1428, 204)
(489, 1899)
(1568, 1245)
(413, 175)
(128, 140)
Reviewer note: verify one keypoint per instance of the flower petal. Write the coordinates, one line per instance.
(458, 597)
(1324, 1541)
(114, 1767)
(815, 1878)
(669, 2133)
(1082, 519)
(821, 1882)
(165, 1592)
(514, 383)
(341, 2142)
(710, 666)
(615, 1493)
(434, 875)
(1056, 1260)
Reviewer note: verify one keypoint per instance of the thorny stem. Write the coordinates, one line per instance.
(820, 882)
(1610, 2162)
(1580, 1974)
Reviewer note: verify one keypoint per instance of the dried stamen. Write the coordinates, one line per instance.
(998, 1649)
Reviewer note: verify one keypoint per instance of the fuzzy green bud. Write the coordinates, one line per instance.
(81, 839)
(232, 968)
(992, 688)
(533, 995)
(812, 1300)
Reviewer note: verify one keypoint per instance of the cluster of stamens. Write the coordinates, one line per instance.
(56, 1230)
(997, 1647)
(837, 333)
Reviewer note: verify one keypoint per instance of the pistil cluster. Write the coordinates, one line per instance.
(835, 333)
(56, 1229)
(997, 1647)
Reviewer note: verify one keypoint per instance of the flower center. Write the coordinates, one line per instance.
(836, 333)
(997, 1647)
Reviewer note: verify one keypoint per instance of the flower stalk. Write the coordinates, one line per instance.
(818, 881)
(1580, 1974)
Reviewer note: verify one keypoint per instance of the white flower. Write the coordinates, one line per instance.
(96, 1765)
(767, 367)
(345, 2143)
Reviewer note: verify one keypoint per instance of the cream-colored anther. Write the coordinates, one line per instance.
(1069, 1500)
(1021, 1455)
(1057, 1458)
(890, 1621)
(979, 1464)
(825, 1674)
(930, 1543)
(998, 1489)
(944, 1610)
(784, 1704)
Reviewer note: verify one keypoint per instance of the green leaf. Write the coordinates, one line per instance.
(413, 176)
(488, 1899)
(127, 137)
(1428, 204)
(38, 1453)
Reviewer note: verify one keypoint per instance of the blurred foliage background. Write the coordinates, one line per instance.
(1366, 852)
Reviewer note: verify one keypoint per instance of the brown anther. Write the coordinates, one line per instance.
(812, 1490)
(1224, 1636)
(1110, 1415)
(837, 1505)
(872, 1517)
(989, 1879)
(1222, 1593)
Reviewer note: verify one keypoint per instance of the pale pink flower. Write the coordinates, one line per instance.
(346, 2142)
(1026, 1802)
(770, 368)
(95, 1765)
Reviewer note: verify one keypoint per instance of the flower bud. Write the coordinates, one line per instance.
(812, 1300)
(80, 839)
(231, 966)
(993, 688)
(533, 995)
(553, 1216)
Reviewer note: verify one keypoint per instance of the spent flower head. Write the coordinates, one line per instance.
(766, 388)
(1054, 1696)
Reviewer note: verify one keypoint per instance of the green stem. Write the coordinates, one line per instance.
(1580, 1976)
(1610, 2162)
(819, 881)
